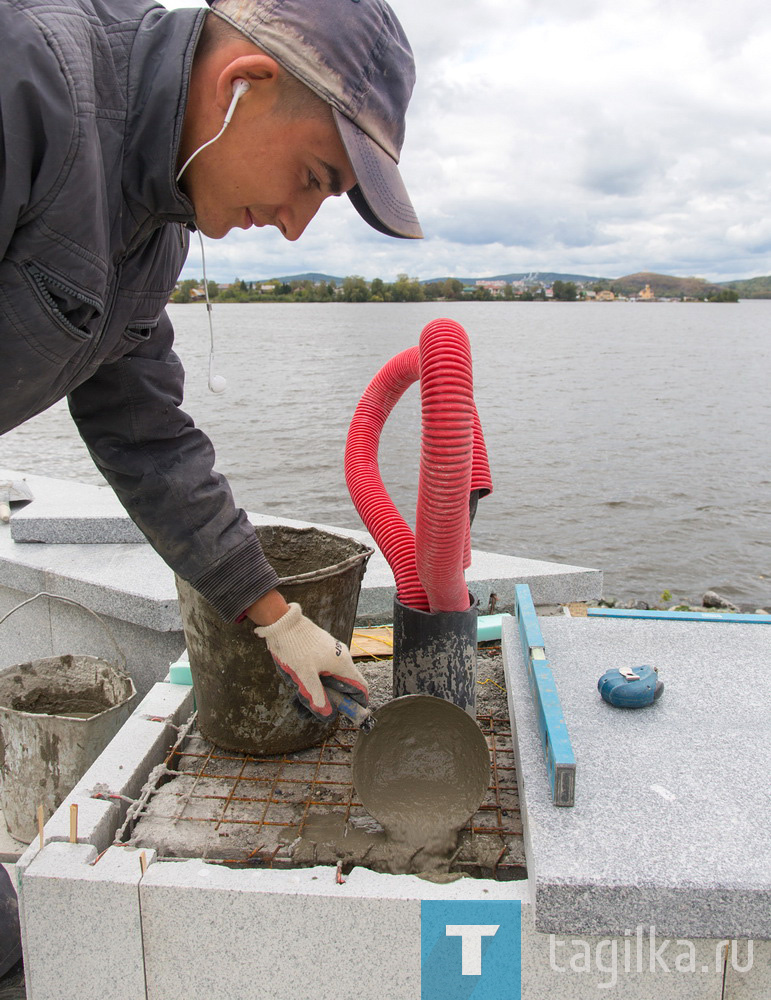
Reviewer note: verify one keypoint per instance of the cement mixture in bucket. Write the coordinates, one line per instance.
(57, 714)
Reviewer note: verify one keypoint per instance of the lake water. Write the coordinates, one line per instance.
(631, 437)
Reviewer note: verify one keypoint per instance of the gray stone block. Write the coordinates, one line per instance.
(16, 573)
(25, 634)
(130, 582)
(489, 573)
(83, 929)
(672, 805)
(265, 944)
(634, 967)
(748, 971)
(73, 513)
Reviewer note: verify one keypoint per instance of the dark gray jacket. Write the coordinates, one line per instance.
(92, 239)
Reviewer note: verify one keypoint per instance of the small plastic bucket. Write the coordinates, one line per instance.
(57, 714)
(243, 704)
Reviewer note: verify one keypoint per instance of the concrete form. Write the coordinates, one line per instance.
(207, 930)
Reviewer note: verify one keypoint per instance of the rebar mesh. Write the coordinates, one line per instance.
(301, 809)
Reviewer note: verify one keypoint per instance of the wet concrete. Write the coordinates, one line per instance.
(422, 772)
(208, 815)
(81, 705)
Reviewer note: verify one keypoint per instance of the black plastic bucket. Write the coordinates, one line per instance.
(243, 704)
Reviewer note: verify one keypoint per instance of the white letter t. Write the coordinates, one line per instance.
(471, 944)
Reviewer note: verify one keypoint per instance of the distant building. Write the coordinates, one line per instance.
(646, 294)
(267, 289)
(605, 295)
(589, 294)
(197, 293)
(495, 287)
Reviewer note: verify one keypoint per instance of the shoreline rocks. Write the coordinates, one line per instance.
(711, 601)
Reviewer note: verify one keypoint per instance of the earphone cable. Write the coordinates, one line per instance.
(208, 307)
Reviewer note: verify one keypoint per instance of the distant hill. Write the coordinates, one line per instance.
(307, 276)
(750, 288)
(665, 286)
(531, 277)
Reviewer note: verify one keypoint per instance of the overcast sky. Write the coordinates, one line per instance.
(580, 136)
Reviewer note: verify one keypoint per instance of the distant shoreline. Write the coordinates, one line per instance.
(294, 302)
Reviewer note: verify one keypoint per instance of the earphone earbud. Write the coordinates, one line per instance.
(240, 87)
(217, 383)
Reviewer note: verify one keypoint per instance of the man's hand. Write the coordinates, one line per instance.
(304, 653)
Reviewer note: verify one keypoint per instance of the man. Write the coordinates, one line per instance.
(122, 127)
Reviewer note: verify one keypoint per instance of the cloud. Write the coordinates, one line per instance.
(572, 135)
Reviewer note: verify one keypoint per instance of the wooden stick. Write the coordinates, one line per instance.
(40, 824)
(74, 823)
(143, 862)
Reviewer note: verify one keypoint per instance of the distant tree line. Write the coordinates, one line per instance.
(357, 289)
(406, 289)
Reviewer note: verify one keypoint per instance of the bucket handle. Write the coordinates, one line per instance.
(77, 604)
(319, 574)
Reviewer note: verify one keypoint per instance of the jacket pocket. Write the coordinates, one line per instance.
(140, 330)
(73, 310)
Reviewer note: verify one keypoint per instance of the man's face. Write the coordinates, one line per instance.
(268, 171)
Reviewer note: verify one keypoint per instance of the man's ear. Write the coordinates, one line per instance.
(259, 70)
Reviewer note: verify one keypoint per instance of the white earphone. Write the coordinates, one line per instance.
(240, 87)
(217, 383)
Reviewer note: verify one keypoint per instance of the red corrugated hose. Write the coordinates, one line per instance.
(427, 565)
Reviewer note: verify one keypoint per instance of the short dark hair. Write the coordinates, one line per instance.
(296, 100)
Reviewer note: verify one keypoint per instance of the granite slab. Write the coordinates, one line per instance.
(83, 929)
(748, 971)
(672, 812)
(73, 513)
(131, 582)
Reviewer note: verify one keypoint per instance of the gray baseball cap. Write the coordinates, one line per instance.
(355, 56)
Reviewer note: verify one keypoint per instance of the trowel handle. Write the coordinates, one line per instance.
(359, 716)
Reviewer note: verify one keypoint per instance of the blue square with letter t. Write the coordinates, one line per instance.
(471, 949)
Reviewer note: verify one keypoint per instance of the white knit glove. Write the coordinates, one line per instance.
(304, 653)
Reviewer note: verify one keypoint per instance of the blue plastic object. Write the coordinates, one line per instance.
(680, 616)
(630, 687)
(557, 749)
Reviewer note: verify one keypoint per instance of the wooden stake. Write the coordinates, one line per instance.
(74, 823)
(40, 824)
(143, 862)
